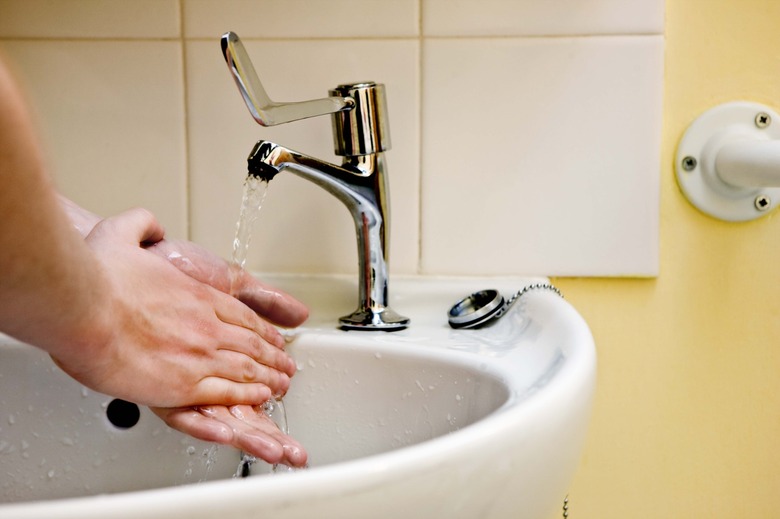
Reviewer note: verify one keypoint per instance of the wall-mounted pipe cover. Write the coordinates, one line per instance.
(728, 161)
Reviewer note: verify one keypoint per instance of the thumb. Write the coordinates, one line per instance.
(136, 225)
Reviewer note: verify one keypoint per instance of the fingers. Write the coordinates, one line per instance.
(258, 435)
(249, 343)
(216, 389)
(193, 423)
(242, 427)
(203, 265)
(273, 304)
(250, 337)
(236, 368)
(230, 311)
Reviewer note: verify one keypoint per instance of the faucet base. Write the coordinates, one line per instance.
(380, 320)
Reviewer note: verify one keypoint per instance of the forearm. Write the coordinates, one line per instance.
(50, 284)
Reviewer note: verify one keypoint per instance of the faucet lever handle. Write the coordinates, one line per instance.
(265, 111)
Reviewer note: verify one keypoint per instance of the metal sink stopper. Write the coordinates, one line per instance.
(487, 306)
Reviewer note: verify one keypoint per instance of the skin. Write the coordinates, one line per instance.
(130, 314)
(244, 427)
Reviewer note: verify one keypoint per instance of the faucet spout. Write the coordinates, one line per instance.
(361, 185)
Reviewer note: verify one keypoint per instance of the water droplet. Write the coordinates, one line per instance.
(11, 419)
(191, 450)
(378, 355)
(269, 407)
(50, 474)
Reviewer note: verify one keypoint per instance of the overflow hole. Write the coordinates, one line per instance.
(123, 414)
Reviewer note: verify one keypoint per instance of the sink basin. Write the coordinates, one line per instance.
(427, 422)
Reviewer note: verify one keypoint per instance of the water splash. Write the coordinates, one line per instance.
(273, 409)
(255, 191)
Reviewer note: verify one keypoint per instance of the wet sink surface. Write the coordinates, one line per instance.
(60, 439)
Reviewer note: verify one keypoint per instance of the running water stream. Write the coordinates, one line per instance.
(255, 191)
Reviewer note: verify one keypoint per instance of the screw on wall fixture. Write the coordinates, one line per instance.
(689, 163)
(566, 507)
(763, 202)
(728, 161)
(763, 120)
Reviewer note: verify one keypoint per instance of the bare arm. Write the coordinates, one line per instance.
(48, 275)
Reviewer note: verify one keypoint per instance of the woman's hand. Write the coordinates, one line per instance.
(205, 266)
(168, 340)
(239, 426)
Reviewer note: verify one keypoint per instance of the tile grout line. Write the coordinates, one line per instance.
(186, 125)
(420, 143)
(420, 36)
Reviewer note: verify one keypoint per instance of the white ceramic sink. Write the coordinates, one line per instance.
(428, 422)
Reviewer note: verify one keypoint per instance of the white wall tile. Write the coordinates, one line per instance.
(301, 18)
(301, 227)
(540, 17)
(111, 116)
(89, 19)
(542, 155)
(539, 155)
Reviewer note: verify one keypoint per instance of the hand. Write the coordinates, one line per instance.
(169, 340)
(258, 436)
(242, 426)
(205, 266)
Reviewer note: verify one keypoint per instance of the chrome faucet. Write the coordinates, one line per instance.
(361, 135)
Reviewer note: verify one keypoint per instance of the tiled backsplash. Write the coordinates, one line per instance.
(525, 132)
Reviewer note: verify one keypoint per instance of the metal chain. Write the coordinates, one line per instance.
(523, 291)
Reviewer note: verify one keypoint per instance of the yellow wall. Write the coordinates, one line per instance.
(687, 411)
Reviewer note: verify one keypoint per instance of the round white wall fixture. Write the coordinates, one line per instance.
(728, 161)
